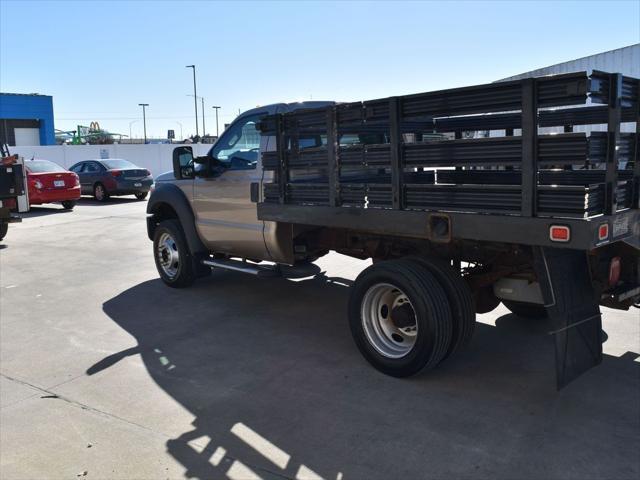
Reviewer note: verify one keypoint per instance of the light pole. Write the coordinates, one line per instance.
(195, 95)
(217, 132)
(181, 137)
(144, 119)
(204, 130)
(131, 123)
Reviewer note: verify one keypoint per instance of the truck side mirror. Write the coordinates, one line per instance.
(182, 162)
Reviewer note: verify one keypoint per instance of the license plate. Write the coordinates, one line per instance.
(58, 183)
(137, 184)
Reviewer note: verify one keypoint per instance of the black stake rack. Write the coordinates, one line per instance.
(422, 154)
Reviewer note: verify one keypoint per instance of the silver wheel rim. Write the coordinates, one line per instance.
(168, 255)
(389, 320)
(99, 192)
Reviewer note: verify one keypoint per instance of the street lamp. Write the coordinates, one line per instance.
(204, 130)
(144, 119)
(217, 133)
(131, 123)
(195, 95)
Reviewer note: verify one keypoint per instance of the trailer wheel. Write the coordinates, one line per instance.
(400, 318)
(463, 312)
(526, 310)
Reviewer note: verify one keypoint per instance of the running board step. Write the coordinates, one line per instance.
(243, 267)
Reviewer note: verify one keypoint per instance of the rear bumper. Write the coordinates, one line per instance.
(37, 197)
(130, 187)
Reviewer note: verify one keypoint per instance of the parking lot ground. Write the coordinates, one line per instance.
(107, 373)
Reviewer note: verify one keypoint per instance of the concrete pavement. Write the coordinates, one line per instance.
(107, 373)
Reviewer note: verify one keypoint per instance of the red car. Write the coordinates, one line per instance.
(48, 182)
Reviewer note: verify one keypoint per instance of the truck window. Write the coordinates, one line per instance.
(239, 145)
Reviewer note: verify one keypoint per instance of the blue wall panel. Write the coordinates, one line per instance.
(30, 107)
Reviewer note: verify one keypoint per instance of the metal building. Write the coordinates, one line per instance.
(624, 60)
(26, 119)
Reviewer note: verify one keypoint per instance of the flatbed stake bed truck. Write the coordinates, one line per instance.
(524, 192)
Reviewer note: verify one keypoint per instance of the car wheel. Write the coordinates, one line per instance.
(526, 310)
(141, 195)
(68, 204)
(4, 228)
(400, 318)
(100, 193)
(174, 261)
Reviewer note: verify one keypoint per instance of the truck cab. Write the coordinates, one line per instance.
(217, 191)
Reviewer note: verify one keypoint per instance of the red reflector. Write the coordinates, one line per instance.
(603, 231)
(116, 173)
(559, 233)
(614, 271)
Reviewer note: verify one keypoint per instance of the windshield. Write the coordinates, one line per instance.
(43, 166)
(111, 164)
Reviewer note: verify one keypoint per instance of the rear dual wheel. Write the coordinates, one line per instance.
(406, 315)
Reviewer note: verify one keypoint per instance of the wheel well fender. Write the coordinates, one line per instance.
(168, 201)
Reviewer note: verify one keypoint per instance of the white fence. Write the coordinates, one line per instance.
(157, 158)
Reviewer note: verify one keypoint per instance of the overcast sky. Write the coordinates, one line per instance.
(100, 59)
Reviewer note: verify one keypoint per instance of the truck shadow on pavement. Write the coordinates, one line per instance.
(277, 387)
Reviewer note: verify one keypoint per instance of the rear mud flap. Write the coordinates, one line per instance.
(573, 307)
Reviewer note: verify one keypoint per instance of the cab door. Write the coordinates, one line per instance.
(226, 219)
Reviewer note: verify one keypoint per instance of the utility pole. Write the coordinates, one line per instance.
(195, 95)
(131, 123)
(217, 132)
(204, 130)
(144, 119)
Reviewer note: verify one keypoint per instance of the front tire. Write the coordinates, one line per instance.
(174, 261)
(141, 195)
(68, 204)
(400, 318)
(100, 193)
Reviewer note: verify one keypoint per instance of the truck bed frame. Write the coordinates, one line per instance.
(413, 166)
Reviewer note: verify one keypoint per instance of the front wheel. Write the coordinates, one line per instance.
(68, 204)
(400, 318)
(141, 195)
(174, 261)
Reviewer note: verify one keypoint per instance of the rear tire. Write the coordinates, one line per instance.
(174, 261)
(400, 318)
(460, 300)
(141, 195)
(68, 204)
(526, 310)
(100, 193)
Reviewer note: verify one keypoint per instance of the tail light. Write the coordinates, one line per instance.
(116, 173)
(559, 233)
(614, 271)
(603, 232)
(76, 180)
